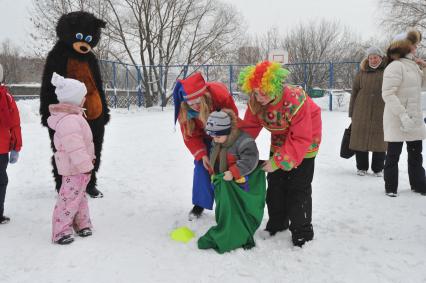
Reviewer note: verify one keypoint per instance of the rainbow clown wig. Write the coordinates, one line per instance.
(266, 76)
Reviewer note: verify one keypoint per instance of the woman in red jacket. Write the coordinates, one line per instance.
(294, 121)
(10, 140)
(194, 100)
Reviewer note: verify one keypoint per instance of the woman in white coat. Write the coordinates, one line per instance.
(403, 118)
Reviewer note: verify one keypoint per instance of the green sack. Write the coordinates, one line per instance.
(238, 213)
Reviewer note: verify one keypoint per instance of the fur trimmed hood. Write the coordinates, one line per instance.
(400, 45)
(365, 67)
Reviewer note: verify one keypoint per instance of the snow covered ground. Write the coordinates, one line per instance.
(361, 235)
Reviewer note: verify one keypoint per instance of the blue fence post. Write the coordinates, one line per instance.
(185, 71)
(114, 84)
(138, 70)
(330, 86)
(305, 77)
(207, 72)
(161, 87)
(230, 80)
(127, 88)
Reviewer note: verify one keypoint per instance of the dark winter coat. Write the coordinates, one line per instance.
(366, 109)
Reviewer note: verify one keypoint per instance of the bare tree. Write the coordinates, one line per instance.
(18, 68)
(270, 41)
(157, 33)
(151, 33)
(401, 14)
(322, 41)
(45, 15)
(9, 58)
(256, 48)
(248, 54)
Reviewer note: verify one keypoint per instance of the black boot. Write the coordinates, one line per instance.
(302, 235)
(195, 212)
(4, 220)
(86, 232)
(272, 232)
(65, 240)
(94, 193)
(423, 193)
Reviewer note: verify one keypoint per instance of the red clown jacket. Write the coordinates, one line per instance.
(221, 98)
(10, 125)
(294, 121)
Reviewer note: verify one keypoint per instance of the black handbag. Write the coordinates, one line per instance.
(345, 151)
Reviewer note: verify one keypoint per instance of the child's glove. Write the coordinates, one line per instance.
(407, 123)
(13, 157)
(227, 176)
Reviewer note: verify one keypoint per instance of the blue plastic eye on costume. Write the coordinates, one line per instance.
(88, 38)
(79, 36)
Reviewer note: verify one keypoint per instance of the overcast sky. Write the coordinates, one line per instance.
(361, 16)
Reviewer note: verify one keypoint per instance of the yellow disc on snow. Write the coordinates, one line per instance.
(182, 234)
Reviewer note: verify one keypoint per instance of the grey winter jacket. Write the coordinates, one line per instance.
(242, 156)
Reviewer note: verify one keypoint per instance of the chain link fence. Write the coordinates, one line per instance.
(126, 85)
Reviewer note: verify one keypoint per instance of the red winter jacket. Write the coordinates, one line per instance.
(295, 125)
(221, 98)
(10, 124)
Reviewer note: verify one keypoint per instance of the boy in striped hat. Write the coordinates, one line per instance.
(234, 153)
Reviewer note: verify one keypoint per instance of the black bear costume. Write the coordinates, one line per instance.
(71, 57)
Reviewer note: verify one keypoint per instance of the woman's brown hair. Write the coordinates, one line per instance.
(255, 106)
(398, 52)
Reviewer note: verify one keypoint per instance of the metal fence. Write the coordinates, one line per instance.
(124, 82)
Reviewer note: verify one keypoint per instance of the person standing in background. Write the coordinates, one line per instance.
(10, 140)
(403, 117)
(366, 110)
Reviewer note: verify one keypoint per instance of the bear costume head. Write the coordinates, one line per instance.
(80, 30)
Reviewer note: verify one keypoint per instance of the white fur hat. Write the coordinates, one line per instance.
(68, 90)
(400, 36)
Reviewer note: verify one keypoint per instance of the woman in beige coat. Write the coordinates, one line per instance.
(403, 117)
(366, 110)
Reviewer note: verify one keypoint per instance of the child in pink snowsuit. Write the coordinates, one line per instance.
(74, 158)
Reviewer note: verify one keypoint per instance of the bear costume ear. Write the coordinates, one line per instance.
(101, 23)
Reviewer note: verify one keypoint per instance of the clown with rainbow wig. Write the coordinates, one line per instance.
(294, 121)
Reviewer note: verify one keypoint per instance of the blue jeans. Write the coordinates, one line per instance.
(4, 160)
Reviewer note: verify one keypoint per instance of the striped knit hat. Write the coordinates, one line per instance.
(218, 124)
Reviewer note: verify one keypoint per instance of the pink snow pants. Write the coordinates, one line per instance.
(71, 209)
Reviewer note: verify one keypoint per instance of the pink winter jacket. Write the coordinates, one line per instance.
(73, 139)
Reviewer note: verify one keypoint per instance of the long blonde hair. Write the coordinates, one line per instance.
(206, 104)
